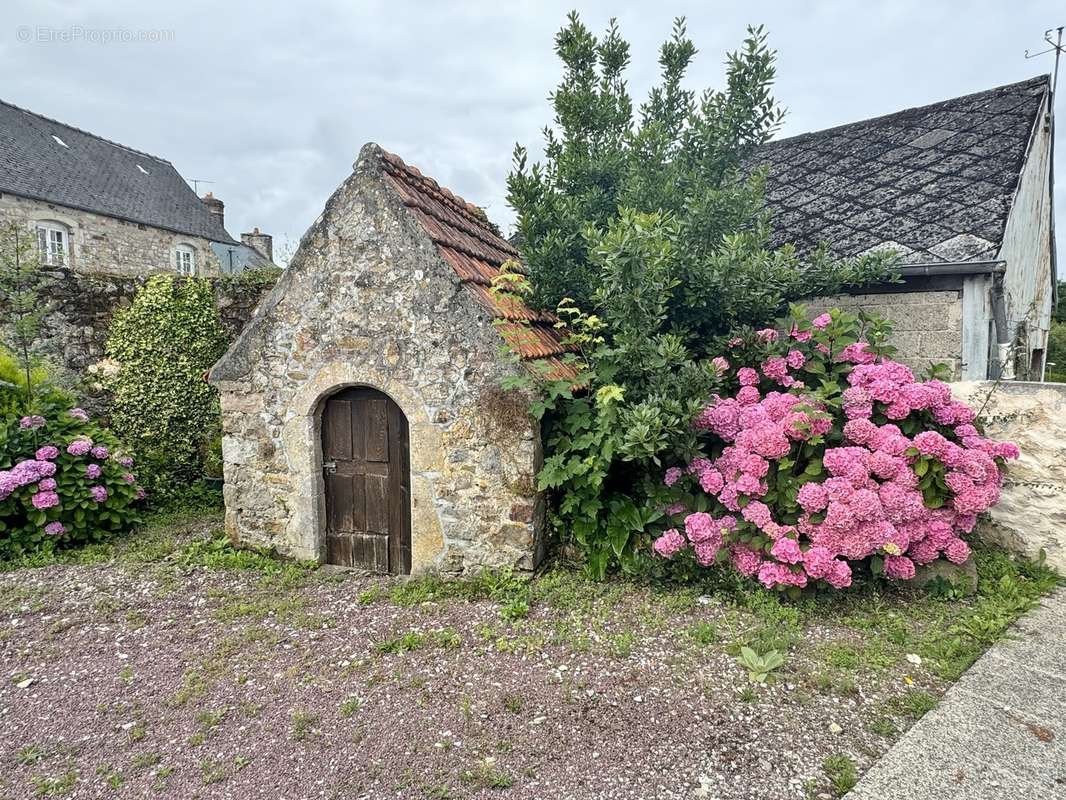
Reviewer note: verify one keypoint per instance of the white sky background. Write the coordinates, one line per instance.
(272, 101)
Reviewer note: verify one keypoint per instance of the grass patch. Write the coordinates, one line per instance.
(504, 587)
(487, 775)
(914, 704)
(303, 724)
(840, 770)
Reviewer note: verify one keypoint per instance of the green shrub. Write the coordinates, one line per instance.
(163, 344)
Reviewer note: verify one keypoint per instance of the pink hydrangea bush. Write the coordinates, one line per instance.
(63, 480)
(825, 456)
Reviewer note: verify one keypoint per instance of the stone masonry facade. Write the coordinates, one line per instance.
(368, 301)
(1030, 517)
(927, 325)
(103, 244)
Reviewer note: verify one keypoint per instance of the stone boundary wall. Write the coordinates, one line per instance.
(928, 324)
(74, 332)
(1031, 514)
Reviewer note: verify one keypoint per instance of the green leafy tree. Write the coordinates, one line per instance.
(22, 303)
(645, 229)
(164, 343)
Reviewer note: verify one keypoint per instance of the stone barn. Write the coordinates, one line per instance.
(363, 416)
(962, 191)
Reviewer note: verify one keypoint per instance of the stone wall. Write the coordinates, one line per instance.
(1031, 514)
(928, 324)
(101, 244)
(367, 300)
(74, 332)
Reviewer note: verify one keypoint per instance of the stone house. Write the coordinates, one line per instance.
(962, 190)
(96, 206)
(363, 416)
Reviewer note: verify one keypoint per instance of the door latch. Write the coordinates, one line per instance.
(329, 467)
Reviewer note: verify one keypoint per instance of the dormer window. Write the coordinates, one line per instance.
(53, 243)
(185, 260)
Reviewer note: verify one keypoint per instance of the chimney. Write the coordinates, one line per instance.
(261, 242)
(215, 206)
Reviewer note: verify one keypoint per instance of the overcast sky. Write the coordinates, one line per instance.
(272, 102)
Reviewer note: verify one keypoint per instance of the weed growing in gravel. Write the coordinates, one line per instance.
(30, 754)
(144, 761)
(512, 702)
(487, 775)
(112, 777)
(883, 726)
(212, 771)
(46, 786)
(703, 633)
(303, 724)
(510, 591)
(446, 638)
(841, 773)
(758, 666)
(240, 762)
(351, 705)
(914, 704)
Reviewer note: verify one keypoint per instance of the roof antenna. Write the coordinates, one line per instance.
(197, 181)
(1057, 48)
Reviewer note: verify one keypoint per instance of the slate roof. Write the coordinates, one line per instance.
(935, 182)
(476, 251)
(94, 174)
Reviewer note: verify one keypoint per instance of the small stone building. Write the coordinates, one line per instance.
(364, 419)
(962, 191)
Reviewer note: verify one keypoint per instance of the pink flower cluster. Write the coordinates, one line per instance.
(23, 474)
(864, 499)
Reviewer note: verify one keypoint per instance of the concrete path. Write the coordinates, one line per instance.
(998, 734)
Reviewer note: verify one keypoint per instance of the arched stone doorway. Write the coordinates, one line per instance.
(366, 466)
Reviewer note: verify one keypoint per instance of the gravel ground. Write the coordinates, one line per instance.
(125, 679)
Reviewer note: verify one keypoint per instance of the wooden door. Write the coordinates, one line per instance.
(366, 465)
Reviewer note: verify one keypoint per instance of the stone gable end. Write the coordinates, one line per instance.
(368, 301)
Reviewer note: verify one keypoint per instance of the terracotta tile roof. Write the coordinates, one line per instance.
(475, 251)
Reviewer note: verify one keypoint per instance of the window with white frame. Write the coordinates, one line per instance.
(185, 260)
(53, 242)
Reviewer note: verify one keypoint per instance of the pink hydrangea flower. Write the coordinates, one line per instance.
(745, 560)
(672, 475)
(720, 363)
(899, 568)
(47, 453)
(55, 528)
(787, 550)
(93, 471)
(798, 335)
(99, 493)
(767, 335)
(32, 422)
(839, 576)
(79, 413)
(957, 551)
(79, 447)
(821, 321)
(43, 500)
(47, 485)
(669, 543)
(747, 376)
(100, 452)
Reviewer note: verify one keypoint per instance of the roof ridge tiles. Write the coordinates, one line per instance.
(929, 107)
(84, 132)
